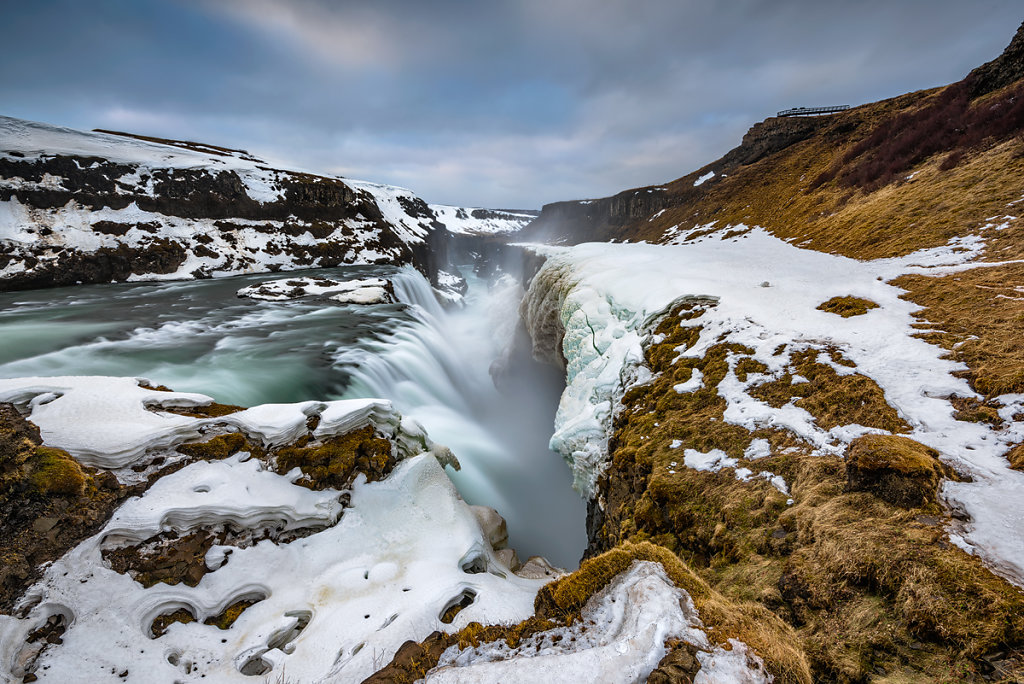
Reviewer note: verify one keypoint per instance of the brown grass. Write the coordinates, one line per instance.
(749, 622)
(892, 452)
(894, 219)
(847, 306)
(831, 398)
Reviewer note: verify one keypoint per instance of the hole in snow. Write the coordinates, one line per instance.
(282, 639)
(474, 564)
(388, 621)
(170, 613)
(201, 489)
(255, 665)
(456, 605)
(358, 648)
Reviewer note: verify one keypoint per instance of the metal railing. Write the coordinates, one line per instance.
(811, 111)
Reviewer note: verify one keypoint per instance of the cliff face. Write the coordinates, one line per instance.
(81, 207)
(1002, 71)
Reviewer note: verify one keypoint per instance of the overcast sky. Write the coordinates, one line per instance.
(479, 102)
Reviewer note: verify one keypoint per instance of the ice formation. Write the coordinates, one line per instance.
(605, 296)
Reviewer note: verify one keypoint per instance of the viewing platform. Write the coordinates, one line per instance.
(812, 111)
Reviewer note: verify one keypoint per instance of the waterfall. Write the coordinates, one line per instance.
(437, 372)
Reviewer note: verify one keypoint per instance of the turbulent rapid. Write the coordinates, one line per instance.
(433, 364)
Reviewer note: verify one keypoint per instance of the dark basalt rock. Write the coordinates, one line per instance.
(102, 266)
(1001, 71)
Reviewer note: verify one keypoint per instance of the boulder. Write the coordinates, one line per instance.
(897, 469)
(493, 526)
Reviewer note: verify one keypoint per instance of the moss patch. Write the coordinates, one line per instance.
(847, 306)
(219, 447)
(162, 622)
(54, 472)
(336, 462)
(229, 615)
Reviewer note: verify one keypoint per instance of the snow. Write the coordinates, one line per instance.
(364, 291)
(607, 294)
(392, 201)
(712, 461)
(703, 179)
(115, 423)
(335, 604)
(758, 448)
(340, 581)
(620, 638)
(695, 382)
(462, 221)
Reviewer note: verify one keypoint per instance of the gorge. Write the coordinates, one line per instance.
(764, 422)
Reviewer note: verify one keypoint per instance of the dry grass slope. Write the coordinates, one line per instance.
(873, 589)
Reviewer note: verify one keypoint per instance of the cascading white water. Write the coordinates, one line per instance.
(436, 371)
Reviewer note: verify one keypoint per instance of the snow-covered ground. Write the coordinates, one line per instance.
(471, 221)
(342, 582)
(763, 293)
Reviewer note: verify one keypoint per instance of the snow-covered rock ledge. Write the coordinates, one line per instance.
(96, 207)
(364, 291)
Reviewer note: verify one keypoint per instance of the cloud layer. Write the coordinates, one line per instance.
(504, 104)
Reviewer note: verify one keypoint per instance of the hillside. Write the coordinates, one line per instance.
(101, 206)
(878, 180)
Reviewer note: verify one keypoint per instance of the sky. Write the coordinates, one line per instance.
(493, 103)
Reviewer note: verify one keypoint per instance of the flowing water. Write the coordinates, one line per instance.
(198, 336)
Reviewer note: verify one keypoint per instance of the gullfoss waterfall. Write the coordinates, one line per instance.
(432, 363)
